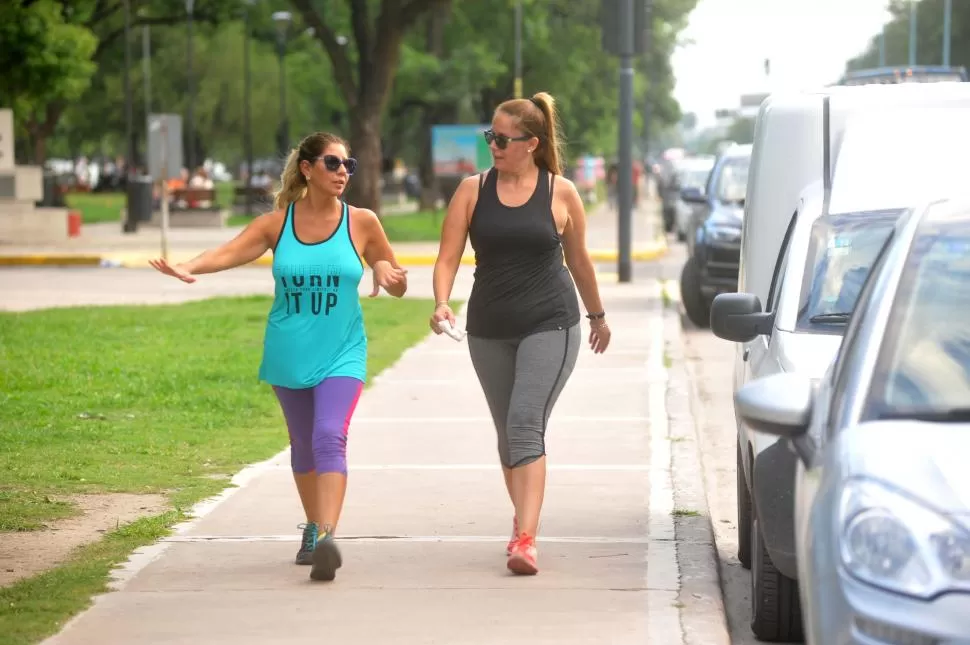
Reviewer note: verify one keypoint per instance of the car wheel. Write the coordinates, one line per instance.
(697, 307)
(776, 611)
(744, 515)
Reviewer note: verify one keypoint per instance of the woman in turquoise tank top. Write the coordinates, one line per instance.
(315, 347)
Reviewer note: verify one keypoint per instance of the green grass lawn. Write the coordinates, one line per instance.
(106, 207)
(159, 399)
(421, 226)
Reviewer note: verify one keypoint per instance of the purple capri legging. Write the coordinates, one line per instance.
(317, 419)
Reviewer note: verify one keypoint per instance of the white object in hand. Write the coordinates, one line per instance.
(445, 326)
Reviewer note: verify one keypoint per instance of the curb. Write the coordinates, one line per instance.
(136, 260)
(704, 615)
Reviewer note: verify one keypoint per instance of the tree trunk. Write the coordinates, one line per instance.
(40, 149)
(365, 146)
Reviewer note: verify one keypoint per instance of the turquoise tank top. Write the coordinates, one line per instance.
(315, 328)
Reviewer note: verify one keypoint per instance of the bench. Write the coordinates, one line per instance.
(259, 194)
(191, 198)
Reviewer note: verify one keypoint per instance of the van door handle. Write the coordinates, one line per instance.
(747, 352)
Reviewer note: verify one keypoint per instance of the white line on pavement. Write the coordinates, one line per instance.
(407, 538)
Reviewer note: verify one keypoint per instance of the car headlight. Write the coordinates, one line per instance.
(892, 541)
(719, 233)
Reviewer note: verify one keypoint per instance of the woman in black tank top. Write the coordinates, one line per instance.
(527, 224)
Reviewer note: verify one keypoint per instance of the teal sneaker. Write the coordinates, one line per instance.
(326, 558)
(305, 554)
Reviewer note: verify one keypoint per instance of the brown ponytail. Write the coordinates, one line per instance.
(293, 184)
(537, 116)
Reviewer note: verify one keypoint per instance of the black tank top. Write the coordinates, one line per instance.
(521, 284)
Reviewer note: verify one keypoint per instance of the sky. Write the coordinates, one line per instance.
(808, 42)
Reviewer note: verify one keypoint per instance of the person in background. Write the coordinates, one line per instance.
(524, 219)
(315, 346)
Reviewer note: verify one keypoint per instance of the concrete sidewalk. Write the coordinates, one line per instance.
(105, 245)
(427, 519)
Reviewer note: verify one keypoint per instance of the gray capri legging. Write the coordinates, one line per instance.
(522, 379)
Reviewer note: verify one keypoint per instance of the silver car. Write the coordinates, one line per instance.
(824, 260)
(882, 504)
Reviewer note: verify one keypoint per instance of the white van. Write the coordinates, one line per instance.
(794, 219)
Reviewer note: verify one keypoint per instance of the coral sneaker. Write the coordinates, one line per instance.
(522, 560)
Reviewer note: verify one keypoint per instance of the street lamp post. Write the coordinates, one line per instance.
(282, 20)
(189, 121)
(131, 223)
(247, 128)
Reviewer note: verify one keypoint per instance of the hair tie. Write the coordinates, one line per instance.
(535, 102)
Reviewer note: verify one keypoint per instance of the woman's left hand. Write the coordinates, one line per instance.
(599, 336)
(386, 276)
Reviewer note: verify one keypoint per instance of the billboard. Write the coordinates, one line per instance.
(459, 150)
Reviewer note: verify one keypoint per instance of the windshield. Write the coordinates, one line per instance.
(732, 183)
(923, 368)
(841, 251)
(694, 178)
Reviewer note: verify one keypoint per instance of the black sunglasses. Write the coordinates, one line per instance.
(501, 140)
(333, 163)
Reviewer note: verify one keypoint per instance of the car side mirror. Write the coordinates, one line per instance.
(738, 317)
(780, 405)
(692, 195)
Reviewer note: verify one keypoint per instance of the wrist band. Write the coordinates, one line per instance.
(596, 316)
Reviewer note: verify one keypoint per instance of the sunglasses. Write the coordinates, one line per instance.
(333, 163)
(501, 140)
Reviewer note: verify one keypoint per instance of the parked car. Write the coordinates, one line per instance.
(808, 269)
(692, 172)
(714, 233)
(882, 501)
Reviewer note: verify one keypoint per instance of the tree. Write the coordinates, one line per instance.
(105, 20)
(929, 37)
(453, 71)
(366, 86)
(46, 61)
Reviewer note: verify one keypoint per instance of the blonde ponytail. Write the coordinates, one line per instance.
(292, 182)
(538, 117)
(548, 153)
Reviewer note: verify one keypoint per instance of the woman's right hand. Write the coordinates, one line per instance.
(178, 271)
(441, 312)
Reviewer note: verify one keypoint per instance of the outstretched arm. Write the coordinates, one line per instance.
(248, 246)
(380, 256)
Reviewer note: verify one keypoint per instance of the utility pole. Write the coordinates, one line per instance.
(625, 178)
(130, 224)
(912, 32)
(247, 128)
(518, 49)
(625, 25)
(947, 18)
(190, 118)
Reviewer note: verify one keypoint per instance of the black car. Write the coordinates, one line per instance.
(714, 234)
